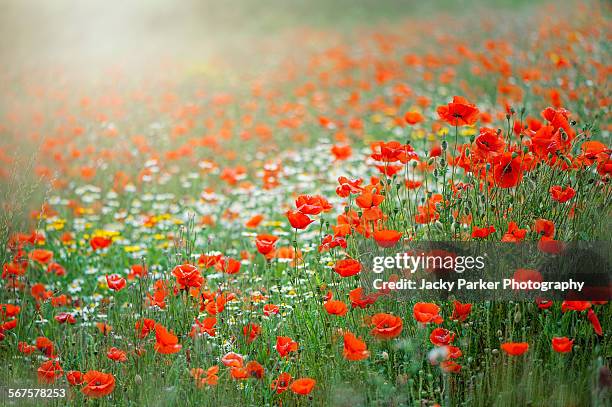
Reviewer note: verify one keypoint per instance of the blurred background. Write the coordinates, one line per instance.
(72, 32)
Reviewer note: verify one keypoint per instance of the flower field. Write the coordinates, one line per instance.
(197, 234)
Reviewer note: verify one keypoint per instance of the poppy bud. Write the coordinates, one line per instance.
(444, 145)
(467, 152)
(138, 380)
(525, 150)
(514, 154)
(442, 162)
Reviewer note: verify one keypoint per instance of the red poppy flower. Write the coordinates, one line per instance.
(592, 317)
(64, 317)
(562, 345)
(489, 143)
(413, 118)
(167, 342)
(187, 275)
(334, 307)
(115, 282)
(281, 383)
(482, 233)
(387, 238)
(298, 220)
(265, 243)
(251, 332)
(508, 170)
(56, 269)
(386, 326)
(255, 370)
(459, 112)
(45, 345)
(270, 309)
(515, 348)
(545, 227)
(99, 242)
(284, 345)
(575, 306)
(98, 384)
(232, 359)
(74, 377)
(514, 233)
(460, 311)
(341, 152)
(41, 255)
(303, 386)
(144, 327)
(354, 348)
(207, 326)
(116, 354)
(49, 371)
(228, 265)
(441, 337)
(450, 366)
(561, 194)
(426, 312)
(312, 204)
(347, 267)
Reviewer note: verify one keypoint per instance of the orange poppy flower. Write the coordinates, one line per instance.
(482, 233)
(270, 309)
(386, 326)
(254, 221)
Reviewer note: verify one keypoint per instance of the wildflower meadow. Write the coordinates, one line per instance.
(200, 229)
